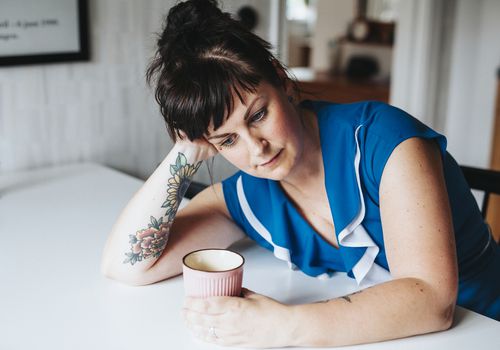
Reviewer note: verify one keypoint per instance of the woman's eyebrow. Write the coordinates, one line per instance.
(247, 115)
(218, 136)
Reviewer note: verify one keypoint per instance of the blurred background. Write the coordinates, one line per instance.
(437, 59)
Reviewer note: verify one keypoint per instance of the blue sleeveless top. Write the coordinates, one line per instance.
(357, 139)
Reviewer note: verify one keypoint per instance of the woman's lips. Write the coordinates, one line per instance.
(273, 160)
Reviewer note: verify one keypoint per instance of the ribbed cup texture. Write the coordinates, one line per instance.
(208, 284)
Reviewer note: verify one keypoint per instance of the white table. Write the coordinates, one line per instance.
(53, 225)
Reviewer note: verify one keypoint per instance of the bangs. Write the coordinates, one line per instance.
(208, 96)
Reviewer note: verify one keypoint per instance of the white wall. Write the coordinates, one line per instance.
(472, 90)
(101, 110)
(332, 19)
(444, 71)
(267, 27)
(421, 58)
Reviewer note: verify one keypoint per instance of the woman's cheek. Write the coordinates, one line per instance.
(238, 159)
(280, 128)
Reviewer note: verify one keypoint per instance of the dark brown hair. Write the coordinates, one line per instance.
(204, 57)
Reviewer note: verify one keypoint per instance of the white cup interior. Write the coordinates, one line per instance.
(213, 260)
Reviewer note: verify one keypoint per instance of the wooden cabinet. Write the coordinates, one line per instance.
(339, 88)
(493, 217)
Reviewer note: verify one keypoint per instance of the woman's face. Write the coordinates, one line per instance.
(263, 136)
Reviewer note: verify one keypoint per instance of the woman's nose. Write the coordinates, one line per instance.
(258, 145)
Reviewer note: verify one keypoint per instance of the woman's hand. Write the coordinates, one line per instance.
(202, 148)
(250, 321)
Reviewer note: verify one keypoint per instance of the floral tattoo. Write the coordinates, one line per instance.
(150, 242)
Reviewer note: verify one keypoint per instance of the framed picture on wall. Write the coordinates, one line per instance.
(43, 31)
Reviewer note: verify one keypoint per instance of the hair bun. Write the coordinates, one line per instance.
(192, 15)
(186, 26)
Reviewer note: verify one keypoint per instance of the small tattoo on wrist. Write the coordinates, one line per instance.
(348, 297)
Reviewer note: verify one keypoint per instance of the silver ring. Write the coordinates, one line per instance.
(211, 332)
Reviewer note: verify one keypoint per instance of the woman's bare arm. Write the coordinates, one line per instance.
(419, 242)
(149, 238)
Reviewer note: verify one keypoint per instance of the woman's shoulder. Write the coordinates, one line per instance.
(241, 184)
(247, 196)
(364, 108)
(375, 116)
(355, 113)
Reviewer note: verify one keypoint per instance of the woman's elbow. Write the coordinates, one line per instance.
(130, 279)
(445, 317)
(437, 308)
(445, 308)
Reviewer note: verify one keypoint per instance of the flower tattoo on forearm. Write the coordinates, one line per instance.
(150, 242)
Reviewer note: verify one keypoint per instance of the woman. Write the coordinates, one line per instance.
(362, 188)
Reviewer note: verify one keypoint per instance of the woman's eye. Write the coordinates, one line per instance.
(257, 117)
(228, 142)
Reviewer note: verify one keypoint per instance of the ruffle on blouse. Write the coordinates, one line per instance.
(364, 268)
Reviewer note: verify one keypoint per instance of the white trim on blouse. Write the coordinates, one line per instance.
(366, 271)
(278, 251)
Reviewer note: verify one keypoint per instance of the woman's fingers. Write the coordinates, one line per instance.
(220, 312)
(213, 305)
(182, 135)
(247, 293)
(246, 321)
(214, 329)
(204, 149)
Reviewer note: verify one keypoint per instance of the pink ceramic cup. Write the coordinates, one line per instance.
(212, 272)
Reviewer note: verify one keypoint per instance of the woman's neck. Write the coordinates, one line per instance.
(310, 164)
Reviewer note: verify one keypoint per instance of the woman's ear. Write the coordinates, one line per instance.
(291, 91)
(280, 71)
(286, 83)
